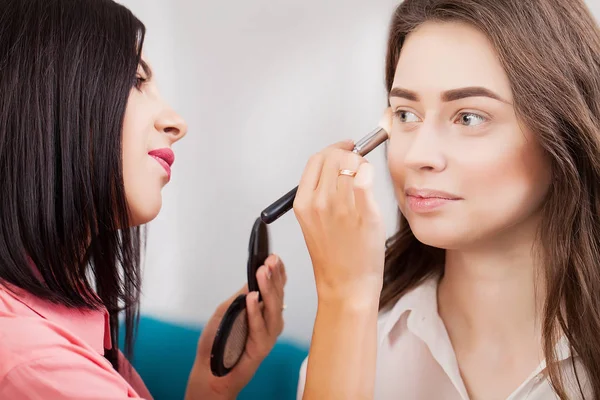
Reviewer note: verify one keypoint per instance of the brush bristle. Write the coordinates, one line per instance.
(386, 121)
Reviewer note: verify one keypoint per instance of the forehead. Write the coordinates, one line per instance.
(440, 56)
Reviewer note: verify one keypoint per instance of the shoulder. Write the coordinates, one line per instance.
(38, 361)
(42, 358)
(62, 375)
(24, 338)
(26, 335)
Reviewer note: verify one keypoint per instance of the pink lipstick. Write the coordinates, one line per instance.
(427, 200)
(165, 157)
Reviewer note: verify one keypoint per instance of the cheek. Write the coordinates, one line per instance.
(505, 181)
(141, 177)
(134, 128)
(133, 156)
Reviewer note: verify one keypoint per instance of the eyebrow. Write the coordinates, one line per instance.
(147, 69)
(450, 95)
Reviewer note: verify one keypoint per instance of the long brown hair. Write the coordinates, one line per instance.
(550, 50)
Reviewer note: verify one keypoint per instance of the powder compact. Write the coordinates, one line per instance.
(232, 334)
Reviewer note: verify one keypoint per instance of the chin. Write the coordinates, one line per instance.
(439, 234)
(146, 211)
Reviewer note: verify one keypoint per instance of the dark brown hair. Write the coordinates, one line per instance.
(550, 50)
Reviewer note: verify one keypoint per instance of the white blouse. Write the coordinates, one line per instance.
(416, 361)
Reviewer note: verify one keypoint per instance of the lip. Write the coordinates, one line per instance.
(165, 157)
(428, 200)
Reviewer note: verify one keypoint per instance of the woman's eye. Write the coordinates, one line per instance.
(470, 119)
(406, 116)
(139, 82)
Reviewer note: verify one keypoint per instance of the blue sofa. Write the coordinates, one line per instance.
(165, 367)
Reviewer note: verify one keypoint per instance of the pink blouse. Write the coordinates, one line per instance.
(49, 352)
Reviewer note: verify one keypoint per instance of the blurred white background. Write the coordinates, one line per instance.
(262, 84)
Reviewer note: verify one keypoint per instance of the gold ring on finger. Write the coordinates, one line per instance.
(347, 172)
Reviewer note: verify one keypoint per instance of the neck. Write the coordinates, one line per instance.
(492, 291)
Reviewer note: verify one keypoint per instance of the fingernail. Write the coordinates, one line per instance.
(255, 297)
(269, 272)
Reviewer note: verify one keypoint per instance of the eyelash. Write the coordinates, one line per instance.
(139, 82)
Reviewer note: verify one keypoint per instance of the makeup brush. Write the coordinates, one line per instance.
(363, 147)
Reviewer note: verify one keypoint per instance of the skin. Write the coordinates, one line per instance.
(149, 124)
(474, 148)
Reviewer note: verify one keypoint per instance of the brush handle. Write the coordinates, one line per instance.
(279, 207)
(285, 203)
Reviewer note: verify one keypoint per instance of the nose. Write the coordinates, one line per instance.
(171, 124)
(424, 152)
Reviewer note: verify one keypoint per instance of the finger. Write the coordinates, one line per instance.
(345, 183)
(312, 172)
(282, 272)
(256, 322)
(309, 180)
(327, 198)
(310, 177)
(343, 145)
(277, 273)
(273, 311)
(363, 193)
(328, 181)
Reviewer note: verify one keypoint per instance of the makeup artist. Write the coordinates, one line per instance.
(85, 149)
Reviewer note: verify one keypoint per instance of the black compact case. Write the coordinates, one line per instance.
(232, 334)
